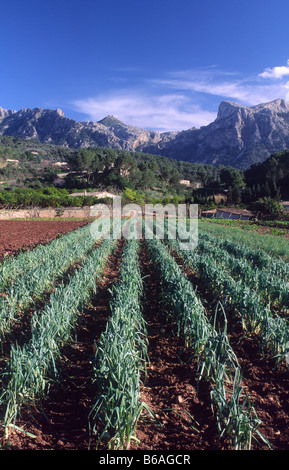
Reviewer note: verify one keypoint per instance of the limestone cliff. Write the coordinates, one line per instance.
(239, 136)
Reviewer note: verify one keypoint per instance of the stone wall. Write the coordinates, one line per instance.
(69, 212)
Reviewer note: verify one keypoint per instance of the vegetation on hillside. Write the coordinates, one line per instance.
(33, 174)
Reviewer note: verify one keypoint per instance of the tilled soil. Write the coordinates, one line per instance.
(183, 418)
(16, 235)
(61, 421)
(266, 385)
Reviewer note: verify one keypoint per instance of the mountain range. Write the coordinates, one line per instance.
(239, 136)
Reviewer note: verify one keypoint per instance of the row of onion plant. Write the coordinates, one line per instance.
(27, 375)
(217, 362)
(27, 277)
(245, 302)
(258, 257)
(271, 286)
(121, 358)
(28, 260)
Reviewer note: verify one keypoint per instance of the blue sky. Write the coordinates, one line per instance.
(156, 64)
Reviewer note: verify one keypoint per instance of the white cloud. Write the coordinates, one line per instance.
(276, 72)
(185, 99)
(164, 112)
(245, 90)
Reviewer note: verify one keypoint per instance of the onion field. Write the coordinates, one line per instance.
(140, 344)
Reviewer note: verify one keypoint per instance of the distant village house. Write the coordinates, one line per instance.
(12, 160)
(60, 165)
(185, 182)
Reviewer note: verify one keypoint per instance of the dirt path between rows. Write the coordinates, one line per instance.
(61, 421)
(184, 419)
(266, 385)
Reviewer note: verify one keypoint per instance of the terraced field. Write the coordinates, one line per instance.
(139, 344)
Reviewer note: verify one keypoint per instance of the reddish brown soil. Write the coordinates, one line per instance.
(266, 385)
(22, 234)
(183, 418)
(61, 421)
(268, 389)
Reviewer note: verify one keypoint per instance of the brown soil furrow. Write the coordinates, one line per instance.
(183, 416)
(266, 385)
(184, 419)
(61, 421)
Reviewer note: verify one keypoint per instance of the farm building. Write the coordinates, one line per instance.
(185, 182)
(233, 213)
(60, 165)
(209, 213)
(229, 213)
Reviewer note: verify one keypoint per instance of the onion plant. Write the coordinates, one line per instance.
(26, 376)
(217, 361)
(277, 247)
(27, 277)
(120, 359)
(270, 279)
(256, 255)
(254, 314)
(235, 413)
(26, 261)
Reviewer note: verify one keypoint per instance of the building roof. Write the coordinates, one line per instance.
(210, 211)
(234, 210)
(101, 194)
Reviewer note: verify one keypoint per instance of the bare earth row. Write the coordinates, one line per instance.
(183, 415)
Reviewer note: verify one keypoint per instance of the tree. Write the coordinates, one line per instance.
(231, 177)
(49, 175)
(175, 177)
(266, 190)
(247, 196)
(131, 196)
(230, 196)
(148, 179)
(86, 160)
(125, 163)
(269, 207)
(236, 195)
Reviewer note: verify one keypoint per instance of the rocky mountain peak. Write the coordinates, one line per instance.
(226, 108)
(239, 136)
(59, 112)
(276, 106)
(5, 112)
(110, 121)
